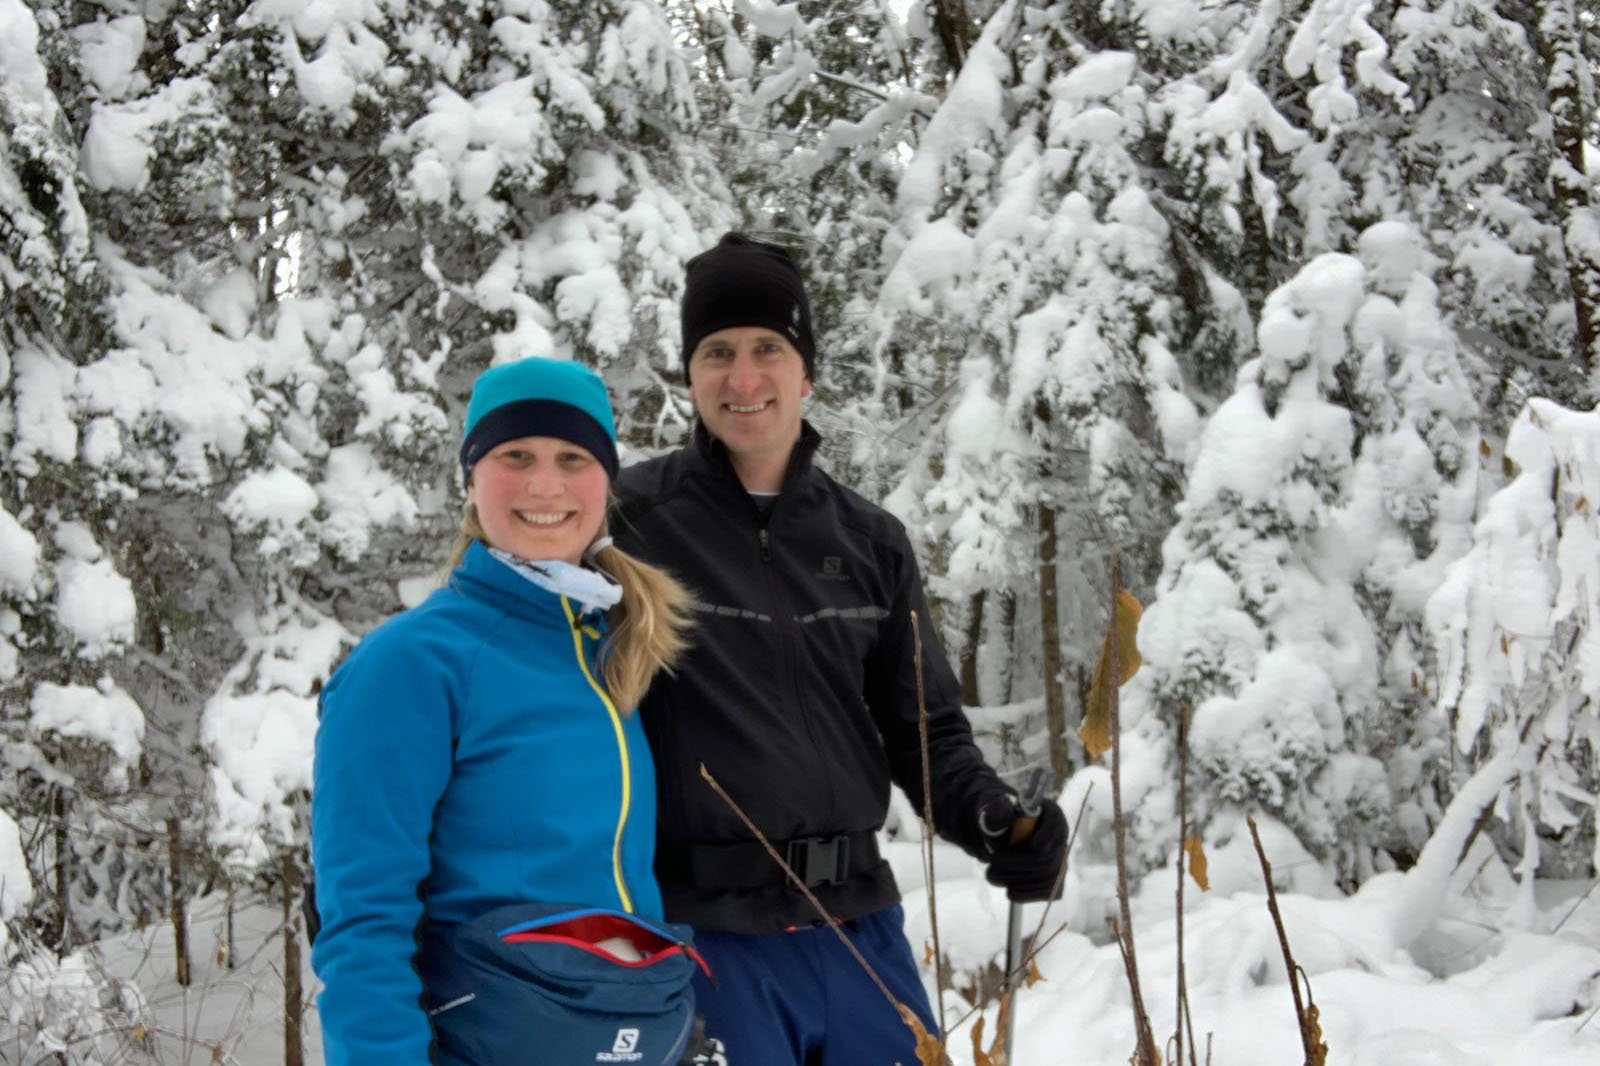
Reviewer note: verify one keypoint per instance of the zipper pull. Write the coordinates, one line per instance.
(766, 546)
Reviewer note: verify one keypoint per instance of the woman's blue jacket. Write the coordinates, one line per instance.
(467, 758)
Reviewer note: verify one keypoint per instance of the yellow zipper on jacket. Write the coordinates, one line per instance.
(622, 752)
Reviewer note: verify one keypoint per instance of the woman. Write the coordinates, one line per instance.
(484, 801)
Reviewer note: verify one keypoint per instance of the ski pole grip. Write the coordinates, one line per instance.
(1028, 805)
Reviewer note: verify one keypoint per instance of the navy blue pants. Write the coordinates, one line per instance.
(801, 999)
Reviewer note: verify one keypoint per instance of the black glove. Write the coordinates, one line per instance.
(1027, 870)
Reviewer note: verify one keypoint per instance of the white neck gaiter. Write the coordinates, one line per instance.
(594, 590)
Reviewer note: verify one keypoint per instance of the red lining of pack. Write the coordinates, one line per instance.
(585, 934)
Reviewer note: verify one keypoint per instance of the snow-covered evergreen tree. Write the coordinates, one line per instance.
(253, 269)
(1328, 495)
(1520, 651)
(1031, 235)
(1408, 512)
(1252, 627)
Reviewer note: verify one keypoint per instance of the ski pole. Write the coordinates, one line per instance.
(1028, 805)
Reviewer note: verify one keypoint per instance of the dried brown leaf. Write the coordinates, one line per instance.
(1033, 976)
(995, 1055)
(1484, 449)
(1313, 1023)
(1124, 628)
(1507, 467)
(1194, 853)
(927, 953)
(140, 1032)
(929, 1051)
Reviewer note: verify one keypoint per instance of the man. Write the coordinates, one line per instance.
(799, 696)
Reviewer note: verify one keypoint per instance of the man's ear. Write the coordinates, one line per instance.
(805, 388)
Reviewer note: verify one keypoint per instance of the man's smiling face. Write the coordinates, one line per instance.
(747, 383)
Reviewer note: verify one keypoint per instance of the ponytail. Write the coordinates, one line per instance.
(653, 631)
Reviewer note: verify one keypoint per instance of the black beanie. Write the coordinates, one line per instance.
(746, 282)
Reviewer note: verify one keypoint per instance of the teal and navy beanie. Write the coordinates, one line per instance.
(539, 398)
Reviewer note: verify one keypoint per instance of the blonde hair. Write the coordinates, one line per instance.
(652, 631)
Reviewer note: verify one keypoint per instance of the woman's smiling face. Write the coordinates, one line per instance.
(540, 498)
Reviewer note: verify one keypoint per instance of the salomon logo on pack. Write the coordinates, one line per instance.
(622, 1048)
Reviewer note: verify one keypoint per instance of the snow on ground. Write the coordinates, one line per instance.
(232, 1015)
(1473, 990)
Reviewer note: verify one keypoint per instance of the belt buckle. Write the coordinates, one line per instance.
(820, 860)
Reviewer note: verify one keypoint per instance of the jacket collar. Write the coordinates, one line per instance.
(712, 456)
(483, 577)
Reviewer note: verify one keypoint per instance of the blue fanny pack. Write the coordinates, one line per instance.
(538, 985)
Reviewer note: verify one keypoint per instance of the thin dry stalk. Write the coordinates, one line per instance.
(293, 995)
(1145, 1053)
(176, 910)
(1188, 1021)
(907, 1015)
(927, 820)
(1305, 1009)
(1185, 1018)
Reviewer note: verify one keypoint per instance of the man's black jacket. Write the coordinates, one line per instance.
(799, 694)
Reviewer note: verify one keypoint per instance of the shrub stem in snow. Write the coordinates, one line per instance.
(1305, 1010)
(927, 824)
(928, 1049)
(1145, 1053)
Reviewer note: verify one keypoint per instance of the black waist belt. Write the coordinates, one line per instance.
(818, 860)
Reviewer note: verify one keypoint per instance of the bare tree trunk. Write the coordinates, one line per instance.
(63, 870)
(954, 28)
(293, 994)
(1564, 69)
(969, 650)
(1055, 704)
(1008, 626)
(177, 911)
(228, 941)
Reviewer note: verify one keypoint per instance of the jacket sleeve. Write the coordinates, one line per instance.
(962, 782)
(383, 756)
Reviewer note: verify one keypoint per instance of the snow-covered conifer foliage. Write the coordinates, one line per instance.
(251, 256)
(1326, 496)
(1097, 228)
(1515, 621)
(1290, 302)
